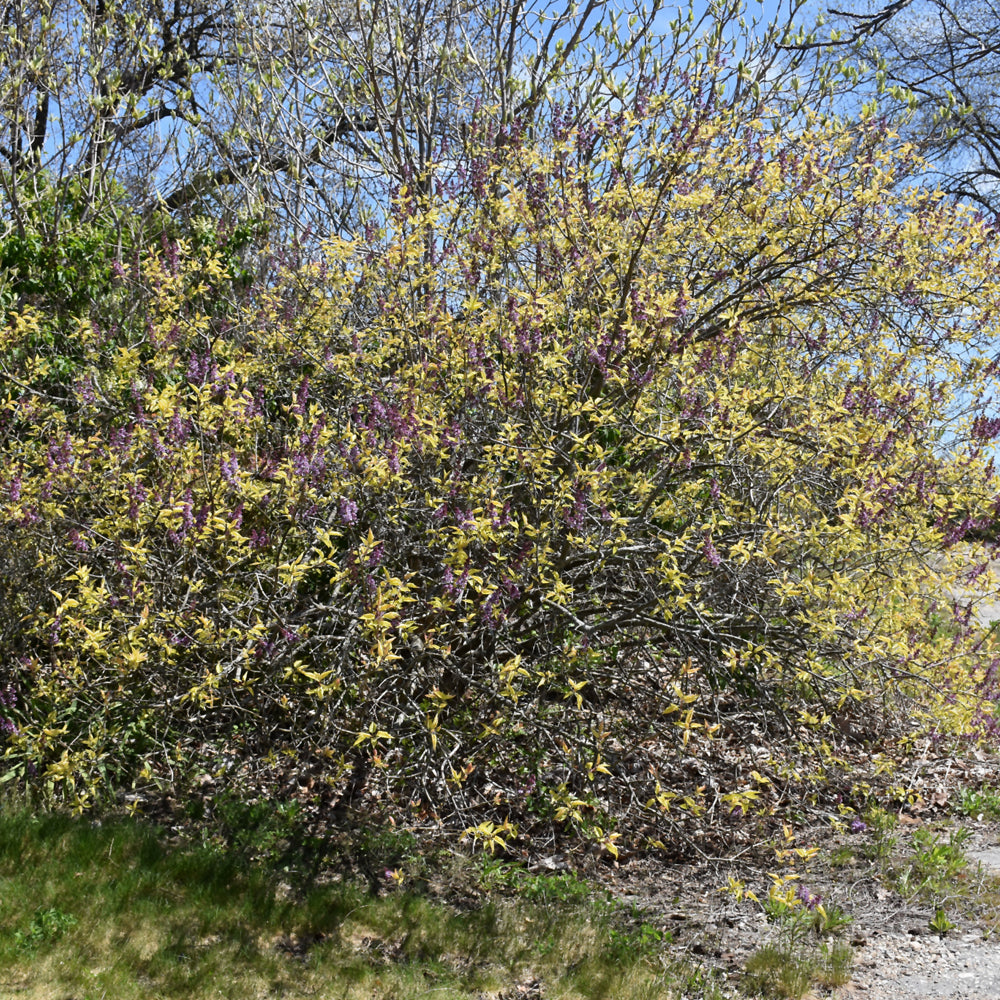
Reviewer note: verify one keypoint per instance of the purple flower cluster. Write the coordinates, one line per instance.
(810, 900)
(573, 516)
(453, 587)
(710, 552)
(985, 428)
(8, 699)
(348, 510)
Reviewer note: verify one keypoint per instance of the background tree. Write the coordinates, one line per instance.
(301, 113)
(935, 69)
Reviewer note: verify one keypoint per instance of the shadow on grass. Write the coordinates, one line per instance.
(258, 908)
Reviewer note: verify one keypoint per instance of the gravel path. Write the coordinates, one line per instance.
(899, 967)
(896, 955)
(901, 960)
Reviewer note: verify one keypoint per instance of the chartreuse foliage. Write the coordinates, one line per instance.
(70, 260)
(502, 506)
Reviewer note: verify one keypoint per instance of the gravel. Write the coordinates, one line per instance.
(897, 956)
(898, 967)
(903, 960)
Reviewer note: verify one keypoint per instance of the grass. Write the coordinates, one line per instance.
(781, 970)
(95, 910)
(981, 803)
(931, 867)
(260, 909)
(803, 951)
